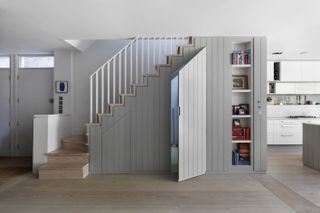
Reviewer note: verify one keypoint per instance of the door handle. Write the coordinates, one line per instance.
(287, 135)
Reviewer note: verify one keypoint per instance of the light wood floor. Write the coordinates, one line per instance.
(287, 187)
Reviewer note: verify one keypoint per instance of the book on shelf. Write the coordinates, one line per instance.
(241, 57)
(241, 155)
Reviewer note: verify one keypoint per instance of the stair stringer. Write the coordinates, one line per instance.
(144, 145)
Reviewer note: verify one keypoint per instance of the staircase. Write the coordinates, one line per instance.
(69, 162)
(135, 85)
(142, 62)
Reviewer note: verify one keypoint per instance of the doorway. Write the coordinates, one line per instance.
(26, 87)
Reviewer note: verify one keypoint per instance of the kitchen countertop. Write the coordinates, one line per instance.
(286, 118)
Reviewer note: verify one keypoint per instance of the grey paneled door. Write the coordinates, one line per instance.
(35, 89)
(4, 112)
(192, 119)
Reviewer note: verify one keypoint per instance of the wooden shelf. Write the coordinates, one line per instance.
(241, 141)
(241, 90)
(241, 116)
(241, 65)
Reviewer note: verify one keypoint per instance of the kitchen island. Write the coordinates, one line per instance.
(311, 145)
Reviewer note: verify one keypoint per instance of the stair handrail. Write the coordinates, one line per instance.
(141, 52)
(100, 69)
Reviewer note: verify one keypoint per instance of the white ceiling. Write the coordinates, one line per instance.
(291, 26)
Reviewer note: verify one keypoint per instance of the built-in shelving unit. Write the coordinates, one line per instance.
(242, 102)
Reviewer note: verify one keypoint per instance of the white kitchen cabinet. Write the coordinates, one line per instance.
(310, 71)
(286, 131)
(290, 70)
(317, 90)
(305, 88)
(270, 130)
(270, 70)
(285, 88)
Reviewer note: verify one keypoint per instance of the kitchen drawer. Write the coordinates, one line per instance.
(287, 127)
(287, 138)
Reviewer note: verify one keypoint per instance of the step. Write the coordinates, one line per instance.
(70, 152)
(64, 171)
(76, 142)
(62, 159)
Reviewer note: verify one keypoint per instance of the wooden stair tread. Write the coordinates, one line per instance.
(76, 139)
(67, 152)
(60, 166)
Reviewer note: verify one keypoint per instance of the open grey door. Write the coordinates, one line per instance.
(192, 118)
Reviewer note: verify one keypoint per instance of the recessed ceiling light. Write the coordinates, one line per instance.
(303, 52)
(277, 53)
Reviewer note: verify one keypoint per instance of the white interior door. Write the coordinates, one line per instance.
(35, 89)
(4, 112)
(192, 119)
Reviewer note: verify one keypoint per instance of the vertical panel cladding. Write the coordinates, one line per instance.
(203, 128)
(95, 149)
(227, 100)
(263, 99)
(144, 130)
(139, 130)
(316, 148)
(192, 119)
(305, 141)
(257, 97)
(165, 120)
(203, 41)
(156, 125)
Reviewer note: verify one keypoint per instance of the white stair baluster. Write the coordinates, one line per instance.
(125, 71)
(102, 89)
(148, 53)
(91, 98)
(142, 57)
(109, 92)
(97, 93)
(137, 61)
(120, 71)
(114, 81)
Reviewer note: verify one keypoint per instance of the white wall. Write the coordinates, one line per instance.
(77, 67)
(48, 130)
(63, 71)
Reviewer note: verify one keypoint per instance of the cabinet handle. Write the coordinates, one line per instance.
(287, 135)
(285, 125)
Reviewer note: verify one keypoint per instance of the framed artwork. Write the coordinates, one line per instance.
(245, 107)
(239, 82)
(61, 86)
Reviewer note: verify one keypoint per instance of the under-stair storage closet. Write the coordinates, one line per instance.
(188, 118)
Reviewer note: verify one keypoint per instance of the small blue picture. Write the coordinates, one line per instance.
(61, 86)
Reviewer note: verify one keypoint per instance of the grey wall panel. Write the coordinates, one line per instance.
(259, 104)
(257, 98)
(95, 149)
(148, 134)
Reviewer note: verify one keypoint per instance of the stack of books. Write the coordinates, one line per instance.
(240, 133)
(241, 57)
(241, 156)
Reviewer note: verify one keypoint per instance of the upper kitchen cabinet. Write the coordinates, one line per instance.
(290, 71)
(310, 71)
